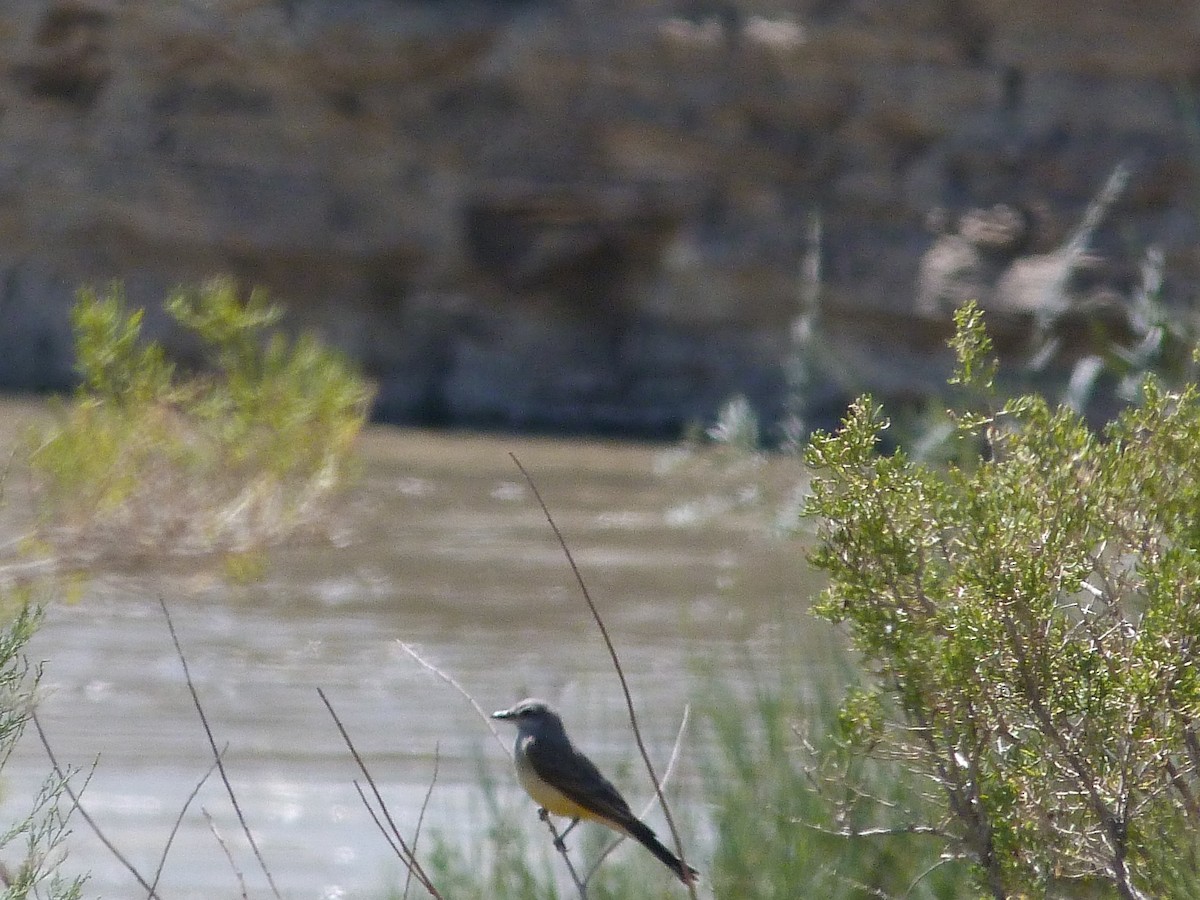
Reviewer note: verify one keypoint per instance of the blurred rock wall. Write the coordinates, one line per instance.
(582, 214)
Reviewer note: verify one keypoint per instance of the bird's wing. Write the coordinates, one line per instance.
(577, 778)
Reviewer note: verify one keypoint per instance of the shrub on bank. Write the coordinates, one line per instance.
(145, 457)
(1030, 631)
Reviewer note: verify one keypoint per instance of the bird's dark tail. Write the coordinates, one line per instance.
(644, 836)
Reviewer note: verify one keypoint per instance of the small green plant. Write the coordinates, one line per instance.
(1029, 625)
(796, 814)
(144, 459)
(29, 847)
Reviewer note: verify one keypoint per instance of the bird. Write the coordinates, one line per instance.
(563, 781)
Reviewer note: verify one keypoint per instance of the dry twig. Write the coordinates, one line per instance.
(437, 761)
(62, 776)
(616, 661)
(162, 860)
(212, 826)
(666, 779)
(391, 833)
(450, 680)
(212, 743)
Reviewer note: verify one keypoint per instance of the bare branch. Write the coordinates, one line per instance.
(379, 823)
(616, 661)
(670, 770)
(437, 760)
(162, 861)
(212, 826)
(561, 847)
(399, 845)
(212, 743)
(449, 679)
(893, 831)
(112, 848)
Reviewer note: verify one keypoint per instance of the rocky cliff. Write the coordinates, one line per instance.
(591, 214)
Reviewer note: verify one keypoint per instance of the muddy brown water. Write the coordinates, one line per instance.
(441, 546)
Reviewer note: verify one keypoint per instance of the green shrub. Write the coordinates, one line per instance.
(1030, 627)
(237, 455)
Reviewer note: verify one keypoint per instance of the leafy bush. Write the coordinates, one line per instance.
(239, 454)
(1030, 627)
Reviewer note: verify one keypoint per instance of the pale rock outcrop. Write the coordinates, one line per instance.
(537, 213)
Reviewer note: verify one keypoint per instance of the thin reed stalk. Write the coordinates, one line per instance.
(616, 661)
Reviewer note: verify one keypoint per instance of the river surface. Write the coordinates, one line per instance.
(440, 546)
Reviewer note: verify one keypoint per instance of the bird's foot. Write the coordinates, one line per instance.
(567, 830)
(544, 815)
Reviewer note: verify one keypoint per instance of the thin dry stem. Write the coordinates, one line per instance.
(212, 743)
(401, 847)
(162, 860)
(379, 823)
(437, 761)
(62, 777)
(561, 847)
(616, 661)
(894, 831)
(449, 679)
(237, 873)
(670, 770)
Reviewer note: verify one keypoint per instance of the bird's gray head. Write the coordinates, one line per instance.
(531, 716)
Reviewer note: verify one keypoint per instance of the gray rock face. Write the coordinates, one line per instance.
(552, 215)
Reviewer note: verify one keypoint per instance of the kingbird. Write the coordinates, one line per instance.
(564, 782)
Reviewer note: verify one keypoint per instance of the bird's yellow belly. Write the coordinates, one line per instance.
(549, 797)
